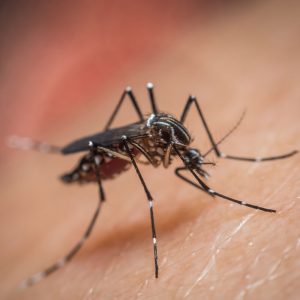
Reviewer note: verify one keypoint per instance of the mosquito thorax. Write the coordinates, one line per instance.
(168, 128)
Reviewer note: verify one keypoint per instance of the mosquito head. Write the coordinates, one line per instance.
(167, 128)
(195, 160)
(193, 157)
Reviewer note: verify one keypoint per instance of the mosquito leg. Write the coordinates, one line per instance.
(97, 162)
(123, 156)
(150, 200)
(143, 151)
(127, 92)
(152, 99)
(62, 262)
(187, 108)
(215, 147)
(214, 193)
(111, 152)
(259, 159)
(202, 186)
(24, 143)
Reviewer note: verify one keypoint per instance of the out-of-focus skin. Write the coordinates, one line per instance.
(58, 83)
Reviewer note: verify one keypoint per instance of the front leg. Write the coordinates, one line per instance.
(126, 143)
(202, 186)
(215, 144)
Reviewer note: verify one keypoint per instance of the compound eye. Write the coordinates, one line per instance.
(193, 154)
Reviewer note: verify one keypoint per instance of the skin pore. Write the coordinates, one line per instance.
(243, 57)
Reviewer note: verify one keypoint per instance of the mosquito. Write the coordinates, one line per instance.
(156, 139)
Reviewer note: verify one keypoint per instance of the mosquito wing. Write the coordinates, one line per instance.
(106, 138)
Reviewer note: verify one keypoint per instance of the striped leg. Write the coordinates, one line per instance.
(215, 147)
(126, 141)
(127, 92)
(150, 87)
(202, 186)
(62, 262)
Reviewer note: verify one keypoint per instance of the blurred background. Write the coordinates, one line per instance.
(63, 67)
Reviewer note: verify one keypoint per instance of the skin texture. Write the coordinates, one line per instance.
(231, 57)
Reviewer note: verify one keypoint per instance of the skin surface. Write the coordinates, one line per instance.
(231, 57)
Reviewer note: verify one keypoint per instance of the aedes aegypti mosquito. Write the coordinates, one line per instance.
(158, 138)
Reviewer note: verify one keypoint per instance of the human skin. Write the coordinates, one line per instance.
(244, 57)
